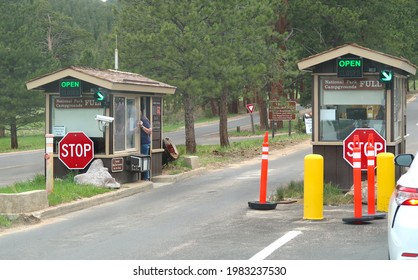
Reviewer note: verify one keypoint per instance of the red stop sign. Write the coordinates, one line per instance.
(363, 133)
(76, 150)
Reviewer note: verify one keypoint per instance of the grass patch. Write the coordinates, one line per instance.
(32, 142)
(37, 183)
(29, 137)
(215, 156)
(169, 127)
(170, 124)
(295, 128)
(4, 222)
(178, 166)
(333, 195)
(65, 190)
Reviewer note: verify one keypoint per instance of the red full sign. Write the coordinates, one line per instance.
(363, 133)
(76, 150)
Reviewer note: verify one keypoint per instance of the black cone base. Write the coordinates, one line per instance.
(376, 216)
(358, 221)
(262, 206)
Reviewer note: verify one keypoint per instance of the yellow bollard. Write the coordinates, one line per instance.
(313, 197)
(385, 180)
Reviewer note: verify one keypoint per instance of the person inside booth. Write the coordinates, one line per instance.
(144, 127)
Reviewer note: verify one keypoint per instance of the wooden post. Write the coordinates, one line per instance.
(49, 157)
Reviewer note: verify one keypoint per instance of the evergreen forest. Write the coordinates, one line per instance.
(219, 54)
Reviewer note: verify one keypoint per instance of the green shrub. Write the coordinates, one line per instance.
(333, 195)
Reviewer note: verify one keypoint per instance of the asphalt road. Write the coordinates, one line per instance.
(203, 218)
(208, 133)
(16, 167)
(412, 126)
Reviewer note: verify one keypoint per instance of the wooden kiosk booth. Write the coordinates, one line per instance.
(356, 87)
(105, 105)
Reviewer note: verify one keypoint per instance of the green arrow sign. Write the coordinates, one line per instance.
(100, 96)
(386, 76)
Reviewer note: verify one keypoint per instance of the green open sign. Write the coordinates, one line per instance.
(70, 88)
(350, 67)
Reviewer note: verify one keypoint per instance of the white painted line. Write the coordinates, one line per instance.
(275, 245)
(247, 177)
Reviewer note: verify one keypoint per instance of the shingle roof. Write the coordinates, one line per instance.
(107, 78)
(116, 76)
(352, 48)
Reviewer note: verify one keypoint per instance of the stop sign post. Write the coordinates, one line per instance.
(76, 150)
(363, 133)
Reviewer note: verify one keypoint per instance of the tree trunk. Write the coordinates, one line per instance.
(233, 108)
(262, 110)
(13, 135)
(278, 86)
(301, 88)
(223, 119)
(214, 107)
(189, 124)
(2, 131)
(275, 92)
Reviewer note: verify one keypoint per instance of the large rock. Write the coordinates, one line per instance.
(364, 192)
(97, 175)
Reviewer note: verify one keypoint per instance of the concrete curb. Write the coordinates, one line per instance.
(178, 177)
(125, 191)
(23, 202)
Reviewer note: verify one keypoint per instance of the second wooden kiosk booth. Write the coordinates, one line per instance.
(356, 87)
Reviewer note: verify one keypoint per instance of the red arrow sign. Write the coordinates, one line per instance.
(250, 108)
(363, 133)
(76, 150)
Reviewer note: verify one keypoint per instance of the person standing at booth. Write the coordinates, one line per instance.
(144, 126)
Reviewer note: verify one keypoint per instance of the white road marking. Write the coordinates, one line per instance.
(275, 245)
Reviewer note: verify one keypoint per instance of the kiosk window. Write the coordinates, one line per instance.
(125, 123)
(69, 114)
(75, 114)
(398, 107)
(349, 104)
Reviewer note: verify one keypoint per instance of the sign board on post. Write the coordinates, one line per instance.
(363, 133)
(76, 150)
(250, 108)
(280, 112)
